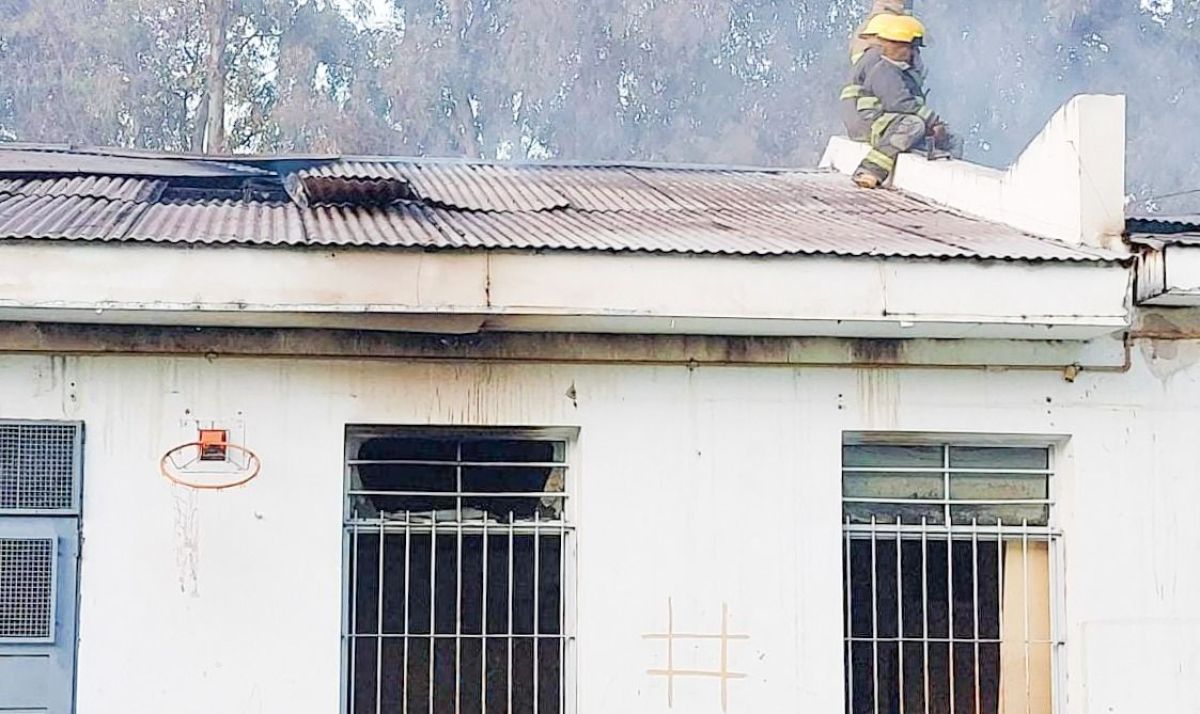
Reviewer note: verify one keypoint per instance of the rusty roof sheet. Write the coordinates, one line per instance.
(440, 204)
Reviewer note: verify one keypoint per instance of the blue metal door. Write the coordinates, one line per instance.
(39, 556)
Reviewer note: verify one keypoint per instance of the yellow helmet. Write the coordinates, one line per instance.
(897, 28)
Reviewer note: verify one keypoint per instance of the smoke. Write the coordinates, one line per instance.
(999, 70)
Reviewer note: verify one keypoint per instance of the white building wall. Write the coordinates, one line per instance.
(705, 486)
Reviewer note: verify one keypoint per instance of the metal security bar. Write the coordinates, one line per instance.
(38, 467)
(950, 585)
(458, 563)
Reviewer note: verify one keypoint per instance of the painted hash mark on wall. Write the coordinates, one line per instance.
(720, 641)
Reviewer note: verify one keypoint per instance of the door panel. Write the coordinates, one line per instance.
(40, 487)
(38, 566)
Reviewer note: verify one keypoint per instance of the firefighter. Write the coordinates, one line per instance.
(885, 101)
(861, 40)
(857, 111)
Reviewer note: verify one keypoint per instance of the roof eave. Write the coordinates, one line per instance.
(560, 291)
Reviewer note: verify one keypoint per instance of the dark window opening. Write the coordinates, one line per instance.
(458, 549)
(900, 614)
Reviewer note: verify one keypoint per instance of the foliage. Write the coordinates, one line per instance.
(731, 81)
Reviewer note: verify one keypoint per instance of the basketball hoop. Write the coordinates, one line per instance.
(210, 465)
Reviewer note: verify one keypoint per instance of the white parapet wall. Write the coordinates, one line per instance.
(1068, 184)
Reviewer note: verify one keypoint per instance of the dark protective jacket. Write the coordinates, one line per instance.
(879, 90)
(858, 115)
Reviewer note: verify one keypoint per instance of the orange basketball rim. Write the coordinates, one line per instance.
(210, 464)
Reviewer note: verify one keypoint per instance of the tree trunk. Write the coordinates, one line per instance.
(210, 117)
(201, 124)
(463, 114)
(470, 130)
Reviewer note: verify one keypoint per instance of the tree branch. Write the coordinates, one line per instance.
(236, 54)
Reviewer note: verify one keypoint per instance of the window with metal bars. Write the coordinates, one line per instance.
(950, 579)
(458, 562)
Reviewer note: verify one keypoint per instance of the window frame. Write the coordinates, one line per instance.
(1056, 445)
(568, 437)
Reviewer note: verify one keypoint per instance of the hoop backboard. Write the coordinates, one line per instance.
(211, 455)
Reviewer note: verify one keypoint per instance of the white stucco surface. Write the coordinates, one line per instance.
(1068, 183)
(706, 486)
(1178, 277)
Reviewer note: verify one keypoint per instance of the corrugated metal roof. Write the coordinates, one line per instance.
(404, 225)
(501, 188)
(219, 222)
(439, 204)
(1166, 225)
(688, 232)
(116, 187)
(596, 189)
(473, 187)
(1188, 220)
(763, 233)
(67, 217)
(465, 186)
(1160, 230)
(284, 224)
(741, 190)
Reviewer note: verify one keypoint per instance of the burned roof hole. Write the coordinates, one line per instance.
(342, 191)
(254, 190)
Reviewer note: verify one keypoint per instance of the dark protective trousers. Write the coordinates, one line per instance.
(890, 136)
